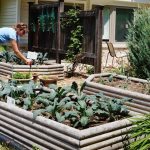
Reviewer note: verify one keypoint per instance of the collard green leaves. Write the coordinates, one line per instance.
(66, 104)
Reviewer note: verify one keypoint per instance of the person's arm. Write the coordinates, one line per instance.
(18, 53)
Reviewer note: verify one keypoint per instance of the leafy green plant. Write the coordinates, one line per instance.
(90, 69)
(140, 133)
(23, 95)
(70, 103)
(71, 23)
(10, 57)
(139, 44)
(41, 58)
(21, 75)
(35, 148)
(7, 56)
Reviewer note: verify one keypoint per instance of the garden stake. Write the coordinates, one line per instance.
(30, 68)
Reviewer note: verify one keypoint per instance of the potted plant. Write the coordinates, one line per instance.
(21, 77)
(48, 79)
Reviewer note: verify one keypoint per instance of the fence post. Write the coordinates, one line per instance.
(60, 9)
(29, 16)
(98, 39)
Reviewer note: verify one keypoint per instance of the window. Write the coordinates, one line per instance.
(105, 32)
(123, 17)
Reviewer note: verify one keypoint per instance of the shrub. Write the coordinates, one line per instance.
(138, 39)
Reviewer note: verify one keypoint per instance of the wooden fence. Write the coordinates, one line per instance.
(46, 36)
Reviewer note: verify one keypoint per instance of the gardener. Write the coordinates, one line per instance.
(11, 35)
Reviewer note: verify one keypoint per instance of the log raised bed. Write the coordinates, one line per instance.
(140, 102)
(47, 134)
(50, 69)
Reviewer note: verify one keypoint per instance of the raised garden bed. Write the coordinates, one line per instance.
(121, 86)
(48, 134)
(48, 69)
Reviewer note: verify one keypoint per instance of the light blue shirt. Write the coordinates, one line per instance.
(7, 34)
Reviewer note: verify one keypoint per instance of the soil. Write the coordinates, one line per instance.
(68, 81)
(134, 86)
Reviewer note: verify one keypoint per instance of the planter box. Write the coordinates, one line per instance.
(140, 103)
(47, 134)
(50, 69)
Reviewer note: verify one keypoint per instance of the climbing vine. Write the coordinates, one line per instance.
(72, 23)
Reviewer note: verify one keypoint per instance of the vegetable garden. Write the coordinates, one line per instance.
(95, 115)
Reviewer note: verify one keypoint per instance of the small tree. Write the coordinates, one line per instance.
(138, 39)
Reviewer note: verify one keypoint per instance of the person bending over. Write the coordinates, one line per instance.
(11, 35)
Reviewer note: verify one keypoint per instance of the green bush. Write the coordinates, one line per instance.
(138, 39)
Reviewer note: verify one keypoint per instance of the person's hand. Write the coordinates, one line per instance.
(29, 62)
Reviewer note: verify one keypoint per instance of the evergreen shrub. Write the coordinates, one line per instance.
(138, 40)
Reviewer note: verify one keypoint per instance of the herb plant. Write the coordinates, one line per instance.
(21, 75)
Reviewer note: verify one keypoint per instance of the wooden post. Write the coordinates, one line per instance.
(29, 34)
(60, 8)
(98, 40)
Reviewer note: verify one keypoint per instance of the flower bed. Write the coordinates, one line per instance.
(50, 69)
(140, 103)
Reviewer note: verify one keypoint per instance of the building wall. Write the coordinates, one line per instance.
(12, 11)
(9, 12)
(24, 8)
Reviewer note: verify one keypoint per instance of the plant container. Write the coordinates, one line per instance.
(48, 69)
(140, 102)
(46, 80)
(47, 134)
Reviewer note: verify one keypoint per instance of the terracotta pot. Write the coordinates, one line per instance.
(48, 79)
